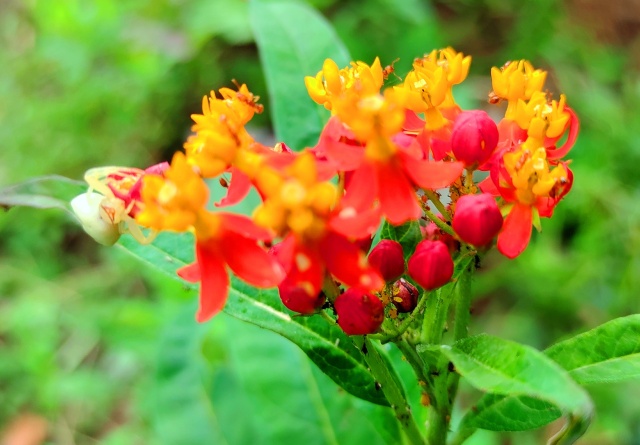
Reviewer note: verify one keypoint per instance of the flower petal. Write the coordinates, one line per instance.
(345, 156)
(190, 272)
(574, 128)
(244, 226)
(516, 231)
(397, 196)
(348, 263)
(214, 285)
(431, 174)
(239, 187)
(249, 261)
(361, 188)
(356, 224)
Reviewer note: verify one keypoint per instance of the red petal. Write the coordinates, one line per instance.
(362, 188)
(190, 272)
(244, 226)
(516, 231)
(348, 263)
(249, 261)
(487, 186)
(356, 224)
(574, 128)
(214, 286)
(431, 174)
(239, 187)
(345, 156)
(412, 122)
(397, 196)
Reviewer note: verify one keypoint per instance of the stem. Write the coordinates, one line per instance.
(468, 181)
(404, 325)
(461, 319)
(433, 197)
(445, 380)
(391, 388)
(437, 221)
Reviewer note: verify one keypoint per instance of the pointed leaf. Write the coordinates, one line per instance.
(502, 367)
(294, 40)
(45, 192)
(606, 354)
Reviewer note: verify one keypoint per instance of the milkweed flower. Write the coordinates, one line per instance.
(317, 233)
(177, 201)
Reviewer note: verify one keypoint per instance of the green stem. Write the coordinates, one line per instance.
(445, 385)
(404, 325)
(392, 390)
(433, 197)
(437, 221)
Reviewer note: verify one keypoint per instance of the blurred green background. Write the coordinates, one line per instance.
(106, 351)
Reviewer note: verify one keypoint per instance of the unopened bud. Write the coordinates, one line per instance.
(477, 219)
(474, 137)
(298, 299)
(87, 209)
(359, 313)
(404, 295)
(431, 265)
(388, 259)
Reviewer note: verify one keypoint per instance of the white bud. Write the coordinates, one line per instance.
(87, 208)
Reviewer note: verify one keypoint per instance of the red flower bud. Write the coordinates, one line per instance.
(388, 259)
(298, 299)
(474, 137)
(404, 295)
(359, 313)
(431, 265)
(477, 219)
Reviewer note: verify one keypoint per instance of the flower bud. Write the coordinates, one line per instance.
(388, 259)
(434, 233)
(297, 299)
(431, 265)
(404, 295)
(477, 219)
(359, 313)
(474, 137)
(87, 207)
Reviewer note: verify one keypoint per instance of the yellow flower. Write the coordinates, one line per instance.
(541, 118)
(428, 86)
(295, 200)
(531, 174)
(332, 82)
(219, 130)
(177, 201)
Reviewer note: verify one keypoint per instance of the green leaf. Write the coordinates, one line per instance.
(182, 413)
(45, 192)
(294, 40)
(606, 354)
(502, 367)
(326, 344)
(512, 413)
(265, 391)
(407, 234)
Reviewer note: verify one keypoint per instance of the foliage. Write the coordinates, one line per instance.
(78, 102)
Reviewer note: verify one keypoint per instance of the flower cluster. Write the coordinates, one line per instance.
(402, 155)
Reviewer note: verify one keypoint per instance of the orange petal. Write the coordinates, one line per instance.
(190, 272)
(239, 187)
(244, 226)
(249, 261)
(348, 263)
(214, 286)
(397, 196)
(431, 174)
(516, 231)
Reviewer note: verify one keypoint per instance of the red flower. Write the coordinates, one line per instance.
(235, 246)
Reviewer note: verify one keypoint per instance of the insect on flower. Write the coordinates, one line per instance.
(389, 69)
(110, 212)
